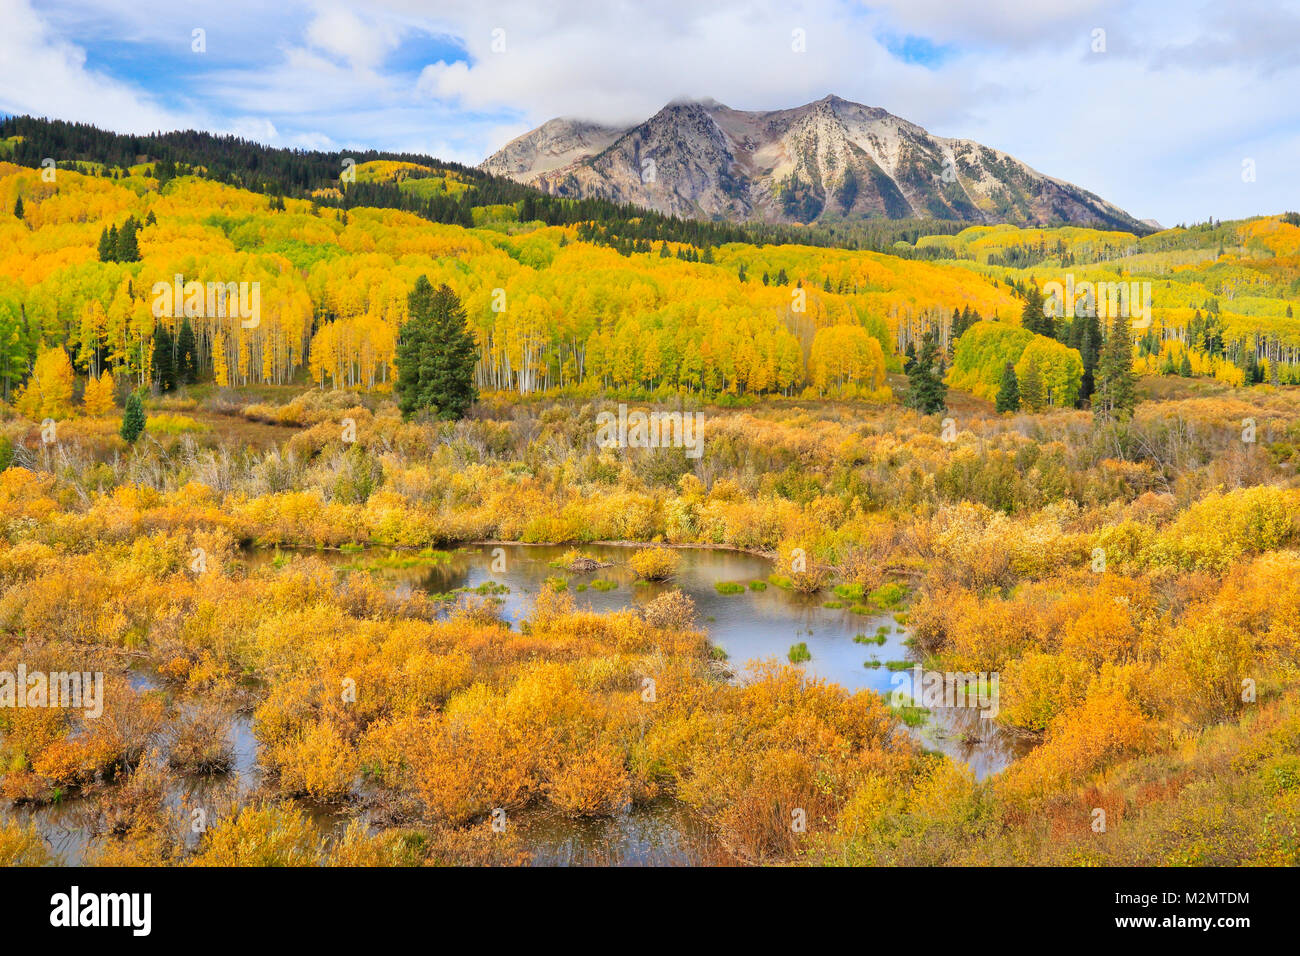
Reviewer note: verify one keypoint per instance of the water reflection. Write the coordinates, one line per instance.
(750, 625)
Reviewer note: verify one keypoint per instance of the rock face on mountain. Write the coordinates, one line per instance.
(828, 159)
(553, 145)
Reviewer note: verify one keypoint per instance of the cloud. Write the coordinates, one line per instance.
(1158, 122)
(363, 44)
(45, 74)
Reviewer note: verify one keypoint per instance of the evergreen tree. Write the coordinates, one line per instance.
(436, 354)
(1116, 393)
(164, 365)
(1185, 368)
(108, 244)
(128, 250)
(18, 207)
(413, 342)
(133, 418)
(1250, 365)
(1084, 336)
(1031, 316)
(187, 365)
(1033, 393)
(1008, 391)
(926, 391)
(151, 219)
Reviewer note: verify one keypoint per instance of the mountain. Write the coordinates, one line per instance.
(553, 145)
(828, 159)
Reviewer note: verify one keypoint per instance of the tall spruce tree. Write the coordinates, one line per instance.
(1116, 391)
(926, 391)
(164, 364)
(187, 365)
(133, 418)
(108, 244)
(18, 207)
(1031, 316)
(435, 355)
(128, 250)
(1008, 390)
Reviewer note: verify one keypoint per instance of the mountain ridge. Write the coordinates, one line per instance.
(828, 159)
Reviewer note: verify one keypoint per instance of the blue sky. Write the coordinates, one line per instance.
(1160, 119)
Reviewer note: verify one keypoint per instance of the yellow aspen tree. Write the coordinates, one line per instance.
(98, 399)
(220, 371)
(48, 393)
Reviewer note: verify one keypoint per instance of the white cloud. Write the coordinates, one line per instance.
(1177, 93)
(1157, 123)
(45, 74)
(364, 44)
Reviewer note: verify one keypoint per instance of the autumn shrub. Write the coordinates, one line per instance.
(360, 847)
(591, 783)
(1221, 528)
(21, 845)
(265, 834)
(199, 741)
(655, 564)
(1036, 687)
(671, 611)
(1105, 727)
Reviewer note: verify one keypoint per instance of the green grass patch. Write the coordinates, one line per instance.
(799, 653)
(872, 639)
(166, 423)
(900, 665)
(758, 585)
(833, 605)
(487, 587)
(728, 587)
(850, 592)
(912, 716)
(600, 584)
(425, 558)
(889, 595)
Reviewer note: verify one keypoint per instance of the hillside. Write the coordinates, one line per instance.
(661, 317)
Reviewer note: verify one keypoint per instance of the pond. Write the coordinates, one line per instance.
(750, 625)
